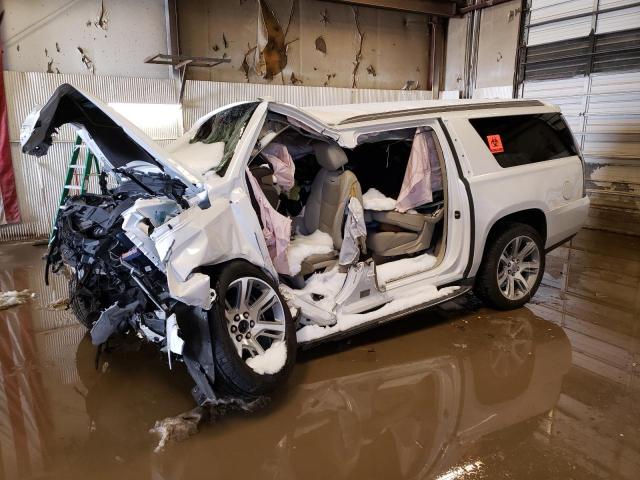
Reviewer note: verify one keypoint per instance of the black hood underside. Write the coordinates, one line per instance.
(68, 105)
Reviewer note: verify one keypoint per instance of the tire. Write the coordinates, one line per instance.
(487, 283)
(84, 306)
(236, 376)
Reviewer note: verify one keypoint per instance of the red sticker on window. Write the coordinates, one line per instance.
(495, 143)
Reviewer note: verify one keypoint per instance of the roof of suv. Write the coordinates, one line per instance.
(342, 115)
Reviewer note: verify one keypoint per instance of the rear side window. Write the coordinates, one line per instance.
(523, 139)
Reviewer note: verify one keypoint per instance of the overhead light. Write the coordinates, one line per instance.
(152, 116)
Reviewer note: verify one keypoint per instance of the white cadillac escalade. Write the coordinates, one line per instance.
(267, 226)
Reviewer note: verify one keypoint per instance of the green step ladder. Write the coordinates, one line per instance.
(76, 166)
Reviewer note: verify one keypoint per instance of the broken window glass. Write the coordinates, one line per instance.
(227, 127)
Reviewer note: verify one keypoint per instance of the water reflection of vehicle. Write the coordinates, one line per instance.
(379, 412)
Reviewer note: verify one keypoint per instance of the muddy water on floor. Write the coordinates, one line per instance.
(547, 391)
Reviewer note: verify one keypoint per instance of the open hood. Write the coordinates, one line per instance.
(112, 138)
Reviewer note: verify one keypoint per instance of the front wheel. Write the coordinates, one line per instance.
(254, 335)
(84, 305)
(512, 267)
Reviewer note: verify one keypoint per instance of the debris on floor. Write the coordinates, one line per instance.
(59, 304)
(187, 424)
(13, 298)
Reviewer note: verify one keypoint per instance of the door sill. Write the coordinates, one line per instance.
(382, 320)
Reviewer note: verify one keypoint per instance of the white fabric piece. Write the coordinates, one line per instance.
(416, 187)
(283, 167)
(374, 199)
(354, 230)
(303, 246)
(276, 228)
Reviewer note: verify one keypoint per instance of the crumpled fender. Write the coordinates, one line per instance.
(227, 230)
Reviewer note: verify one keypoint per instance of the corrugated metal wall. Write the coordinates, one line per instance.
(601, 102)
(39, 180)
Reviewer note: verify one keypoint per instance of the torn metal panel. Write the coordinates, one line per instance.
(197, 352)
(225, 231)
(147, 213)
(195, 290)
(355, 233)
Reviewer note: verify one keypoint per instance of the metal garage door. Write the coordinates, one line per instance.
(584, 55)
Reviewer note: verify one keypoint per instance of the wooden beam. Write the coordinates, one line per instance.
(425, 7)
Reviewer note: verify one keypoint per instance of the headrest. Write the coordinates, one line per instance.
(329, 155)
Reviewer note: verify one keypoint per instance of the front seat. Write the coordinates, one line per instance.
(330, 191)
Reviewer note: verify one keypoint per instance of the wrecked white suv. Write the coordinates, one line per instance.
(268, 226)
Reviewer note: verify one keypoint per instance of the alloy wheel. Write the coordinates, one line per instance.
(255, 316)
(518, 267)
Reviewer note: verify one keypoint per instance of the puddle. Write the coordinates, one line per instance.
(546, 391)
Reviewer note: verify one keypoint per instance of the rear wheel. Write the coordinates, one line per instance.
(512, 267)
(254, 337)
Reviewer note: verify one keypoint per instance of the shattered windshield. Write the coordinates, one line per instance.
(225, 129)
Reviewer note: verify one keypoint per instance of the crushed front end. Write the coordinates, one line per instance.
(114, 287)
(118, 285)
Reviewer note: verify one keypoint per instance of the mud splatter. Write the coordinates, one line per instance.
(245, 64)
(57, 47)
(295, 80)
(215, 47)
(371, 70)
(321, 45)
(187, 424)
(324, 17)
(360, 40)
(88, 63)
(102, 21)
(225, 42)
(330, 76)
(410, 85)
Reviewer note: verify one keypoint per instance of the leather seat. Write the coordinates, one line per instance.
(331, 189)
(414, 235)
(264, 175)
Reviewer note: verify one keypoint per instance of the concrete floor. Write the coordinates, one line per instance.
(547, 391)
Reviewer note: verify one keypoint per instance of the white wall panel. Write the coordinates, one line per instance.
(543, 10)
(563, 30)
(618, 20)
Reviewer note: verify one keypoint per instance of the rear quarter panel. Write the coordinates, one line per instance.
(555, 187)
